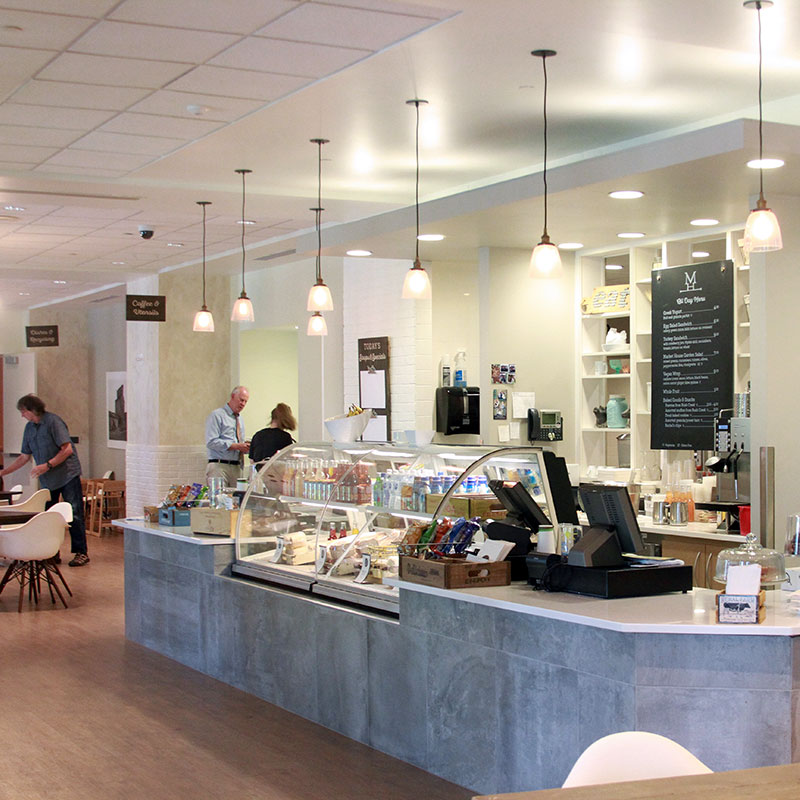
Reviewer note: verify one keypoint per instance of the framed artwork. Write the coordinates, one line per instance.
(116, 409)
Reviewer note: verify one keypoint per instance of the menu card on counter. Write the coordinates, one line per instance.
(693, 340)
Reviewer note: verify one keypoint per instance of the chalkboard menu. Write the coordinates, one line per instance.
(692, 353)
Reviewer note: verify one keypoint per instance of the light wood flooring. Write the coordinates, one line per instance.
(86, 714)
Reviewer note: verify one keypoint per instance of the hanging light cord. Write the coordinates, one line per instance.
(204, 254)
(416, 195)
(318, 211)
(760, 112)
(244, 172)
(544, 112)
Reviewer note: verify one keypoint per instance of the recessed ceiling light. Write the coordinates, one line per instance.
(614, 266)
(174, 244)
(570, 245)
(59, 282)
(703, 222)
(630, 235)
(359, 253)
(117, 263)
(626, 194)
(765, 163)
(431, 237)
(466, 294)
(700, 254)
(245, 222)
(197, 110)
(24, 294)
(13, 208)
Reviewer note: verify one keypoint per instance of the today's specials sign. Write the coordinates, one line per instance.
(692, 353)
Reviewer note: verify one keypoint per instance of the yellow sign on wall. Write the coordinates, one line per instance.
(608, 299)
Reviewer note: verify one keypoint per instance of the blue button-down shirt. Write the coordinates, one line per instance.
(221, 434)
(43, 440)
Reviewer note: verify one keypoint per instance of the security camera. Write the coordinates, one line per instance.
(145, 231)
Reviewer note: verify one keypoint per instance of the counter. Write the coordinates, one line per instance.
(498, 690)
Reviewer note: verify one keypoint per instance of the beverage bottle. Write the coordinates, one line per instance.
(377, 490)
(386, 490)
(422, 494)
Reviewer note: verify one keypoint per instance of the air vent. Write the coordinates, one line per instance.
(273, 256)
(104, 299)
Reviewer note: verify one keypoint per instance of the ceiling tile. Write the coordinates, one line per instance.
(100, 160)
(336, 25)
(20, 64)
(108, 71)
(42, 31)
(13, 153)
(222, 109)
(42, 116)
(396, 7)
(238, 83)
(43, 137)
(144, 124)
(243, 16)
(80, 171)
(289, 58)
(124, 143)
(128, 40)
(78, 95)
(87, 8)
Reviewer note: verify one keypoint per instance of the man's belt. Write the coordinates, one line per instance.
(221, 461)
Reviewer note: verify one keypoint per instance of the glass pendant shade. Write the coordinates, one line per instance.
(545, 260)
(762, 233)
(317, 325)
(243, 309)
(319, 298)
(203, 321)
(417, 284)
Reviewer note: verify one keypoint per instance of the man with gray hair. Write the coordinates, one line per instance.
(225, 441)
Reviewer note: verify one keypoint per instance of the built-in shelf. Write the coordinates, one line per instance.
(744, 268)
(644, 333)
(608, 375)
(643, 413)
(644, 360)
(608, 315)
(645, 281)
(744, 324)
(604, 353)
(743, 355)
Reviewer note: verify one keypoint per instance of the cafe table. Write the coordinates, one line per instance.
(10, 517)
(775, 783)
(4, 495)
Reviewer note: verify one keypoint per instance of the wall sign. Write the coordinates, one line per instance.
(692, 354)
(41, 335)
(373, 386)
(145, 308)
(607, 300)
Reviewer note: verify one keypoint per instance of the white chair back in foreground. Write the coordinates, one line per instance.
(16, 489)
(632, 756)
(36, 502)
(64, 508)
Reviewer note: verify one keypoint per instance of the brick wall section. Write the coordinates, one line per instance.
(373, 307)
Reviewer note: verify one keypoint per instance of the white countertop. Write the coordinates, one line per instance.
(692, 530)
(693, 612)
(183, 532)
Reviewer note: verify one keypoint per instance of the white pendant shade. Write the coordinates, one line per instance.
(319, 298)
(203, 321)
(762, 233)
(243, 310)
(417, 285)
(545, 261)
(317, 325)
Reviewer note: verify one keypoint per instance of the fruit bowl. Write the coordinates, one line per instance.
(348, 429)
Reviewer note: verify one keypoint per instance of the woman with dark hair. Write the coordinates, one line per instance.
(274, 437)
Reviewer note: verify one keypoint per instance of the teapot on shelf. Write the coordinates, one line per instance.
(600, 416)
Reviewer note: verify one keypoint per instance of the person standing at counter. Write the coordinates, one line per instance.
(225, 442)
(46, 438)
(275, 436)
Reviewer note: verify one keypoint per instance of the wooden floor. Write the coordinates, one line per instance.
(86, 714)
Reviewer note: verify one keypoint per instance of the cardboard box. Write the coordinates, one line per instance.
(454, 573)
(220, 521)
(151, 513)
(174, 517)
(465, 505)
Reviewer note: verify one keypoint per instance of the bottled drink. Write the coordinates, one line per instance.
(377, 490)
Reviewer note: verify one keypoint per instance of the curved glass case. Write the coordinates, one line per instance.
(329, 517)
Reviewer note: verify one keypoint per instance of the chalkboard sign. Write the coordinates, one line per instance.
(692, 353)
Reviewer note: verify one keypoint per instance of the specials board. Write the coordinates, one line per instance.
(693, 340)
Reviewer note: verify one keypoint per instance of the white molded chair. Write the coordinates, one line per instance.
(36, 502)
(17, 488)
(64, 508)
(108, 475)
(632, 756)
(32, 547)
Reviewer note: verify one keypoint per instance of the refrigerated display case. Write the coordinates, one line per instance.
(328, 518)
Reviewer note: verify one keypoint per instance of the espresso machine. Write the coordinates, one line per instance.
(731, 463)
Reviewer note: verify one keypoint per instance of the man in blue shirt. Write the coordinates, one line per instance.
(225, 441)
(58, 469)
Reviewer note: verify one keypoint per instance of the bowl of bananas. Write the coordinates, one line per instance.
(348, 427)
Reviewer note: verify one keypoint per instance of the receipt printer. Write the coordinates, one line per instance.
(458, 409)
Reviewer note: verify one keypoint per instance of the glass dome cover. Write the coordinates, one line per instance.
(773, 568)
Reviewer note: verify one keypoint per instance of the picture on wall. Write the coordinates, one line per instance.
(504, 373)
(500, 404)
(116, 408)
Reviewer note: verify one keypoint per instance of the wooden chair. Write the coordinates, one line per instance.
(109, 505)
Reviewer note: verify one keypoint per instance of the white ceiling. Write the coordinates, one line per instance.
(116, 114)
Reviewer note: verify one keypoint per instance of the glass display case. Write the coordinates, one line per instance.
(329, 517)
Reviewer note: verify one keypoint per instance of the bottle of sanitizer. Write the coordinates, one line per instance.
(460, 369)
(445, 377)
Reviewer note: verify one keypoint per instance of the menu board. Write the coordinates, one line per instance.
(692, 353)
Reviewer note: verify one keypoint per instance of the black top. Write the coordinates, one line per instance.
(267, 442)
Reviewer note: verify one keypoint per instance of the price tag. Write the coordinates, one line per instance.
(276, 556)
(366, 565)
(322, 554)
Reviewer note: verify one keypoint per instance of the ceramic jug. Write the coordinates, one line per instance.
(615, 408)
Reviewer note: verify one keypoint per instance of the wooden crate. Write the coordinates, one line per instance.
(455, 573)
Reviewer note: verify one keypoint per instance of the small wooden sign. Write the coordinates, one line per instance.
(741, 608)
(41, 335)
(145, 308)
(608, 300)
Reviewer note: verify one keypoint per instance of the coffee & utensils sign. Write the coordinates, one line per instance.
(145, 308)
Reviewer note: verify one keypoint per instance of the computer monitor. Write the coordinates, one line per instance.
(560, 488)
(611, 507)
(519, 504)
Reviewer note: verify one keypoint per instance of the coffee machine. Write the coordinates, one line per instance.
(731, 461)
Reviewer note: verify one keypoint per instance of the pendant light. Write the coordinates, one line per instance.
(762, 233)
(243, 308)
(317, 325)
(319, 296)
(545, 259)
(417, 284)
(203, 321)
